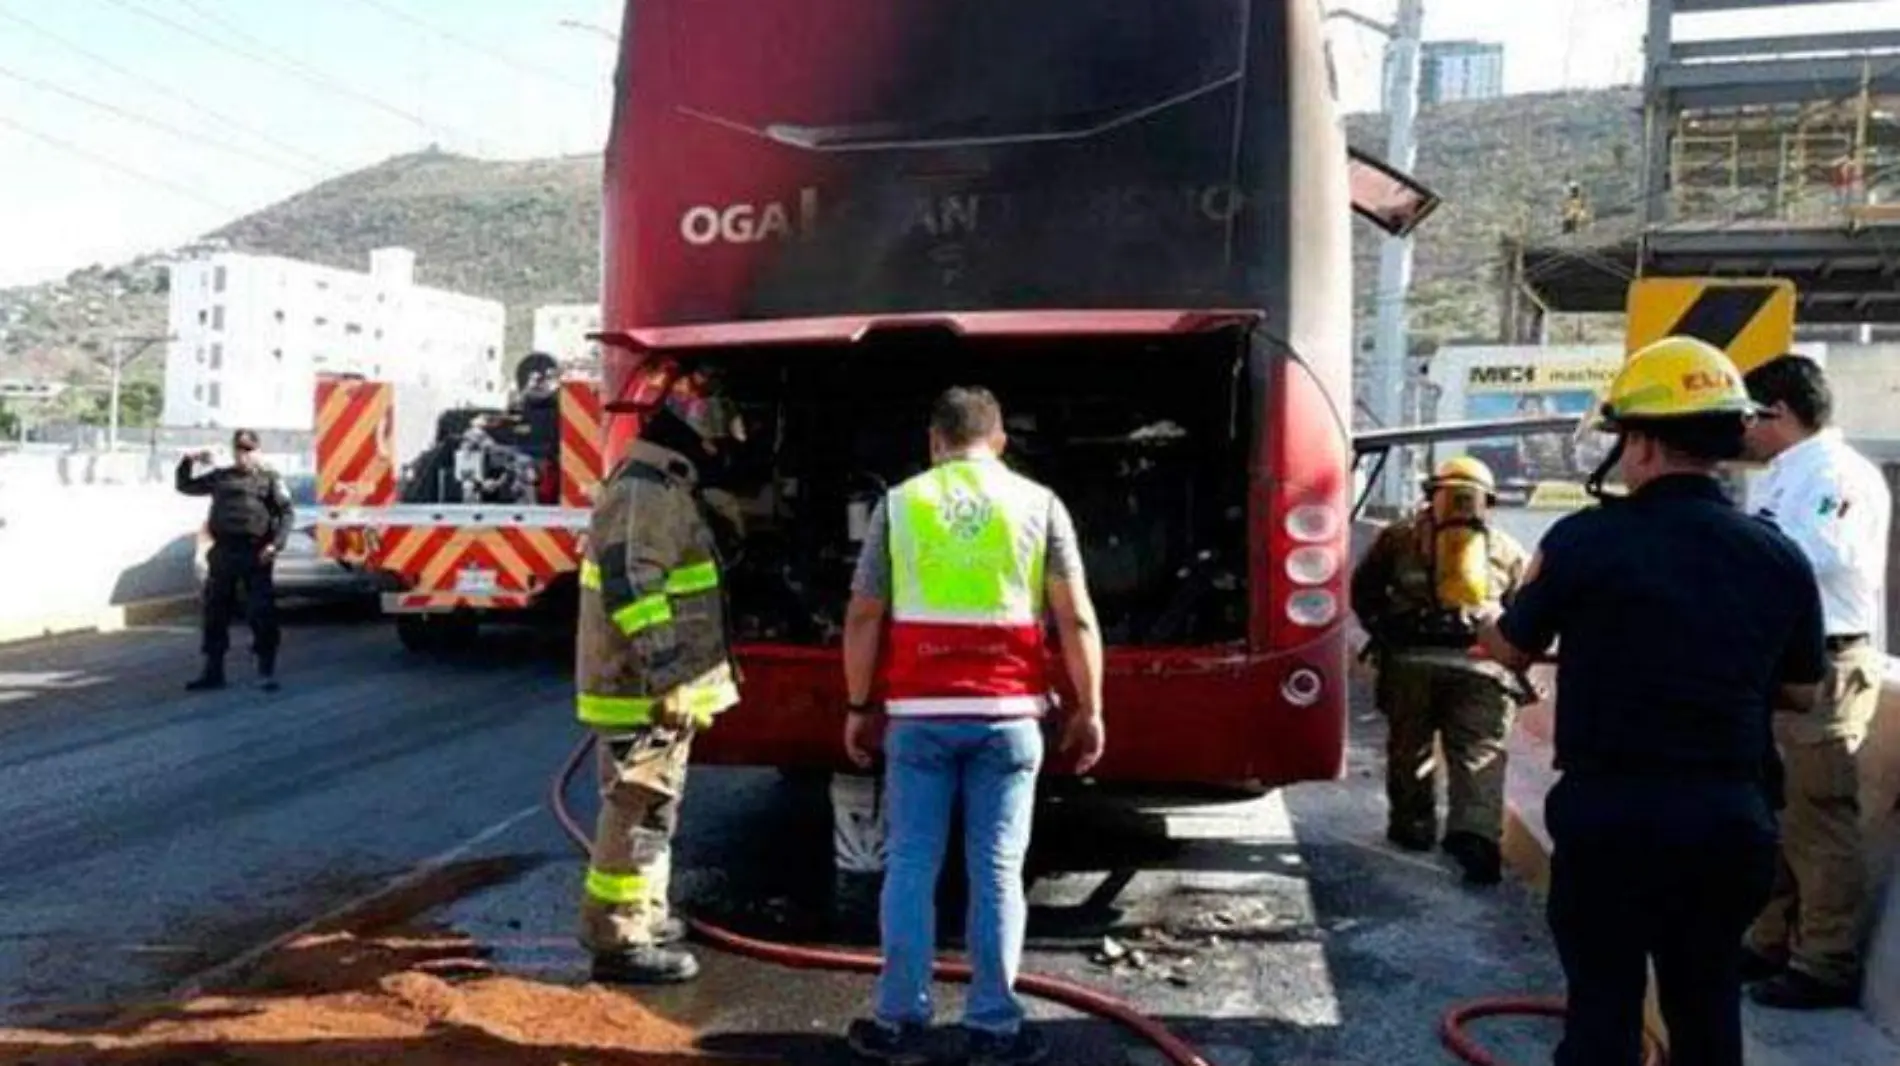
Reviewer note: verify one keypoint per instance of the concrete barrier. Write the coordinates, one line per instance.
(80, 557)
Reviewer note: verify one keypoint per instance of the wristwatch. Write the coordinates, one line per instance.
(865, 707)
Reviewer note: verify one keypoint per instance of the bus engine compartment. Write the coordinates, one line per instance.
(1145, 439)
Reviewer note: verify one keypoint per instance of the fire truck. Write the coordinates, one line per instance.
(1131, 221)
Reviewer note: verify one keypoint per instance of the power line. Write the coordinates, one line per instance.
(477, 47)
(157, 124)
(273, 59)
(113, 164)
(154, 85)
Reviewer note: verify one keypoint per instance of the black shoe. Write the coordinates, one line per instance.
(212, 678)
(1024, 1047)
(646, 965)
(1483, 863)
(902, 1046)
(1794, 990)
(1759, 967)
(1410, 839)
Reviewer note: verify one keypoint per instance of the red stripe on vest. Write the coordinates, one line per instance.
(930, 660)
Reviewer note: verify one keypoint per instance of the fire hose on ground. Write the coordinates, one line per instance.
(1176, 1051)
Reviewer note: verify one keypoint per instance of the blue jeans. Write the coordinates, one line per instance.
(995, 765)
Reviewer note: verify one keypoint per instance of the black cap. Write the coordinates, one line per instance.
(244, 440)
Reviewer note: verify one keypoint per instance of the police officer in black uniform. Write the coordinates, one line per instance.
(1681, 625)
(250, 523)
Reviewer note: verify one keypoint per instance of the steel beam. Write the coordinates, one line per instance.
(1694, 7)
(1775, 47)
(1769, 72)
(1787, 92)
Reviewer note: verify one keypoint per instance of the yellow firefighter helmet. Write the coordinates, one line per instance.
(1676, 377)
(1463, 470)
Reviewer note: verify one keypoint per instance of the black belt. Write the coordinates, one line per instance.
(1846, 640)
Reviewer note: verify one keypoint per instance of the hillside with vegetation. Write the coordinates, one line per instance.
(527, 233)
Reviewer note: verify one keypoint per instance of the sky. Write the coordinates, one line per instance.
(130, 126)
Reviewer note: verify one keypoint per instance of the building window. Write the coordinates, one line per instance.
(197, 392)
(491, 355)
(211, 395)
(201, 355)
(203, 317)
(323, 286)
(322, 321)
(218, 280)
(217, 356)
(280, 316)
(352, 329)
(277, 354)
(217, 317)
(379, 334)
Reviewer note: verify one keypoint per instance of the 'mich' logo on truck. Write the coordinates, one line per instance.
(705, 224)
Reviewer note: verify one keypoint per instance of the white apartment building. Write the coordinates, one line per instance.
(1460, 70)
(252, 332)
(561, 331)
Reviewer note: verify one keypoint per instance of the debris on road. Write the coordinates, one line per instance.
(415, 998)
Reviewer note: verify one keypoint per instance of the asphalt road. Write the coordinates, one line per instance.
(150, 834)
(153, 835)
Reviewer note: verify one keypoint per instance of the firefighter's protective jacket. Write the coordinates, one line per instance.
(652, 646)
(1395, 594)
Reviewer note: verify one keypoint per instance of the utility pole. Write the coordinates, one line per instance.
(1390, 359)
(124, 351)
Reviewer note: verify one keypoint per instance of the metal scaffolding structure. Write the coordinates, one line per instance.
(1762, 156)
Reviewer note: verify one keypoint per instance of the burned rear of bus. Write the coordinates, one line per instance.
(1129, 220)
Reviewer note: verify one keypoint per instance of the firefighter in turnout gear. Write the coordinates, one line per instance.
(654, 667)
(250, 522)
(1421, 592)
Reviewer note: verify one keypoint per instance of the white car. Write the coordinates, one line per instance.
(301, 571)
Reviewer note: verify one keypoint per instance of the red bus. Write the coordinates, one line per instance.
(1129, 219)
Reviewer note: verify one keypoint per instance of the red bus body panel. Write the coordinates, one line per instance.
(786, 173)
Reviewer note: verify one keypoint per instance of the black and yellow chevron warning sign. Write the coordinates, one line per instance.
(1751, 319)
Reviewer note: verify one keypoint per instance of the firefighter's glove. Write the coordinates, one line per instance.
(672, 713)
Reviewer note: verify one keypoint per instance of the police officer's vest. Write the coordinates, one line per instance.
(241, 503)
(968, 543)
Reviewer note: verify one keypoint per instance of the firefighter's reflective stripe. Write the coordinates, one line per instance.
(617, 889)
(700, 699)
(968, 549)
(616, 712)
(693, 578)
(704, 701)
(643, 613)
(590, 575)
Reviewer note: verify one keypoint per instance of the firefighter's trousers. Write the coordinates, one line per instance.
(1815, 917)
(642, 780)
(1471, 711)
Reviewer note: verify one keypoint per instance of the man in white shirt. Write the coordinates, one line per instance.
(1805, 948)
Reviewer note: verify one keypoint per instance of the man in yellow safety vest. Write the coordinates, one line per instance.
(964, 558)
